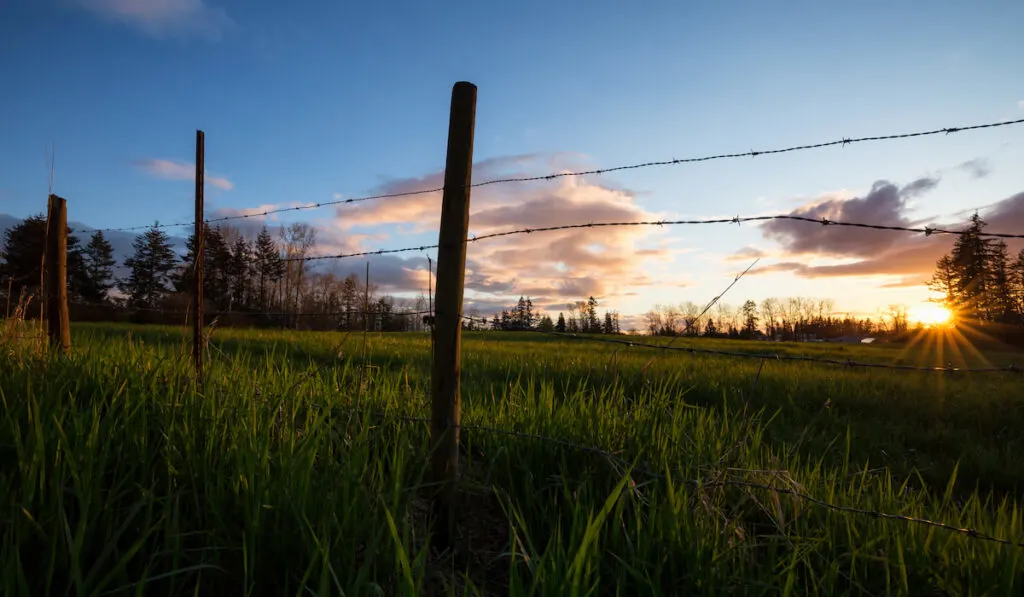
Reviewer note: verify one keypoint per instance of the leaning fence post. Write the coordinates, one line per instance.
(198, 263)
(56, 260)
(451, 271)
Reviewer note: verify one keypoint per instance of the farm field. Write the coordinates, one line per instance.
(299, 468)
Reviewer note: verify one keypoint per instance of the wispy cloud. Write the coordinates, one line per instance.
(164, 18)
(977, 168)
(746, 254)
(173, 170)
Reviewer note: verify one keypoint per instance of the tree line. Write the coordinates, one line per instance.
(264, 280)
(267, 279)
(979, 281)
(583, 318)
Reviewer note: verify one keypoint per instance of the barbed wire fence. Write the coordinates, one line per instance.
(450, 423)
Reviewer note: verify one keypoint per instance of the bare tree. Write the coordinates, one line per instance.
(297, 240)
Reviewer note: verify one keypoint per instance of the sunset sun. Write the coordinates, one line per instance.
(930, 314)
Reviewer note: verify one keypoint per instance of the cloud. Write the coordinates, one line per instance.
(884, 205)
(747, 253)
(424, 209)
(551, 267)
(977, 168)
(173, 170)
(1020, 104)
(164, 18)
(865, 252)
(919, 187)
(906, 283)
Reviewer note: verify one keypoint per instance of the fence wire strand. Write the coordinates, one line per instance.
(256, 213)
(927, 231)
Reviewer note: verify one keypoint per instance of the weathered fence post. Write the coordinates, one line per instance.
(56, 259)
(199, 262)
(451, 271)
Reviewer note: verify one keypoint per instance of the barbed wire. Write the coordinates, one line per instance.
(691, 322)
(765, 356)
(359, 254)
(277, 210)
(555, 175)
(927, 231)
(752, 153)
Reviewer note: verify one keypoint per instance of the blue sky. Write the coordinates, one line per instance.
(308, 102)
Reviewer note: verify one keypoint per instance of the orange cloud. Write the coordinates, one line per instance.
(554, 267)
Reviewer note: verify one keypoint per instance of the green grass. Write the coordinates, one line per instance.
(120, 477)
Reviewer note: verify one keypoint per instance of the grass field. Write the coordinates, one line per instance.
(120, 478)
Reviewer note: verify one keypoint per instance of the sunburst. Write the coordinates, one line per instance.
(930, 314)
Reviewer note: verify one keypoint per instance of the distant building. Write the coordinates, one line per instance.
(852, 340)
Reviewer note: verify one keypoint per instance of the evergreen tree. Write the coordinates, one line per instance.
(591, 324)
(970, 253)
(239, 270)
(150, 268)
(269, 268)
(350, 301)
(999, 303)
(945, 281)
(1017, 285)
(749, 310)
(609, 326)
(77, 277)
(24, 245)
(216, 267)
(217, 276)
(976, 279)
(545, 324)
(99, 268)
(519, 316)
(560, 326)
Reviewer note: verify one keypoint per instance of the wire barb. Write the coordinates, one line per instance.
(844, 141)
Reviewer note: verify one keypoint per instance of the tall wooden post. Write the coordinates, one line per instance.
(451, 271)
(56, 259)
(200, 259)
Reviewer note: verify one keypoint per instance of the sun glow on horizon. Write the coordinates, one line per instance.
(930, 314)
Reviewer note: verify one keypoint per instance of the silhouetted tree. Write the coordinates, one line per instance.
(267, 265)
(98, 265)
(21, 267)
(749, 310)
(150, 268)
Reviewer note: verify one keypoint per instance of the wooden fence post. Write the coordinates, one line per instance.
(199, 261)
(451, 271)
(56, 260)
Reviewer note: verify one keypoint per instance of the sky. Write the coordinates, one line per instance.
(313, 102)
